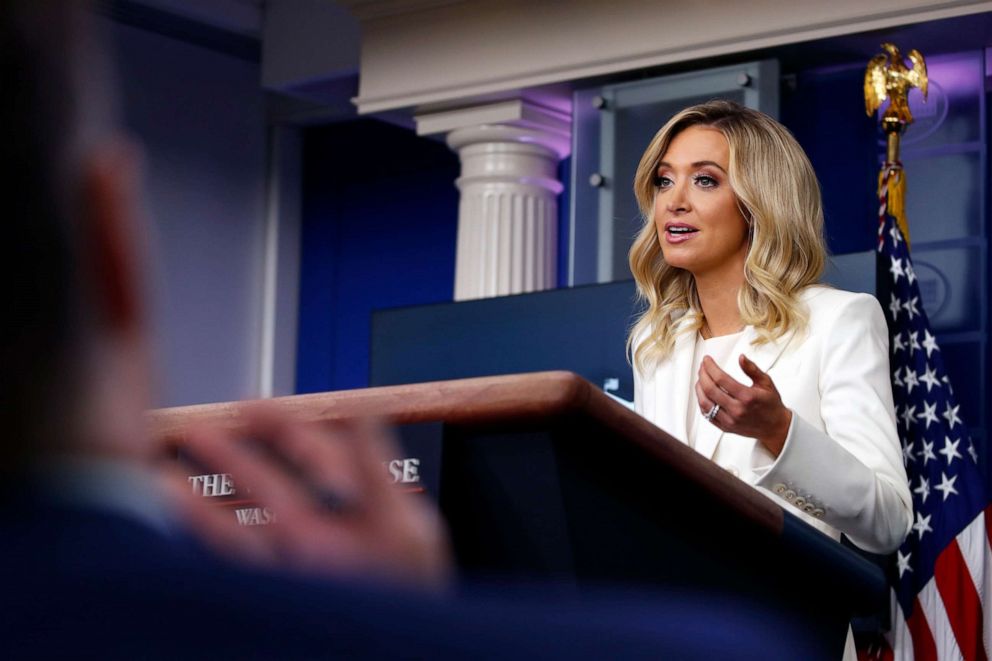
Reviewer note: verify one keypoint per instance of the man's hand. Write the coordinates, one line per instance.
(336, 511)
(755, 411)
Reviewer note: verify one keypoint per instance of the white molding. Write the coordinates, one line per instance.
(383, 90)
(516, 112)
(516, 120)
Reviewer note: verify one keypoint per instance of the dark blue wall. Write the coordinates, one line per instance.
(380, 216)
(380, 212)
(824, 109)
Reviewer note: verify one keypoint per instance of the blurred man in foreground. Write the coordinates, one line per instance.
(100, 553)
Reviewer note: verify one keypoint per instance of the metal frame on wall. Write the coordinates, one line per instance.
(598, 236)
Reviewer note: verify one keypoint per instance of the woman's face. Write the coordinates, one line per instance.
(696, 214)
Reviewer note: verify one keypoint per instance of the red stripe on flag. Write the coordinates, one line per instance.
(924, 647)
(961, 602)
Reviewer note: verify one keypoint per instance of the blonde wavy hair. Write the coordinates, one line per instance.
(779, 196)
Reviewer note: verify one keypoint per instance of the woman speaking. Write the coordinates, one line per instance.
(740, 353)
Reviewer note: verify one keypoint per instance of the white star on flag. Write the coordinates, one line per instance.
(946, 486)
(910, 307)
(929, 342)
(922, 524)
(903, 561)
(950, 450)
(930, 378)
(913, 342)
(928, 452)
(923, 489)
(907, 453)
(896, 236)
(910, 273)
(910, 380)
(972, 451)
(897, 344)
(951, 415)
(896, 269)
(929, 413)
(894, 306)
(908, 415)
(897, 380)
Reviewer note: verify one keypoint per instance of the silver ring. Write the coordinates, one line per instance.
(712, 413)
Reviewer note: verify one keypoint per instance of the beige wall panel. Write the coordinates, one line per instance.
(419, 53)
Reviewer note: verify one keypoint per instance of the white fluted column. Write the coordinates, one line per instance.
(508, 213)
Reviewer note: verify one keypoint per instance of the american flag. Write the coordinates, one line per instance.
(942, 579)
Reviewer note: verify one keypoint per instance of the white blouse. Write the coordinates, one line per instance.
(719, 349)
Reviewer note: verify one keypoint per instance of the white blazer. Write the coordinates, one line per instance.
(841, 467)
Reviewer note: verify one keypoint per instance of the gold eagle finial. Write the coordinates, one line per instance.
(888, 77)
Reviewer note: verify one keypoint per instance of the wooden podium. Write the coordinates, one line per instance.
(544, 476)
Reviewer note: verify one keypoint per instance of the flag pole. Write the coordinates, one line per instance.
(888, 77)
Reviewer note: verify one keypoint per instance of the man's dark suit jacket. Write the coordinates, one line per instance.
(79, 582)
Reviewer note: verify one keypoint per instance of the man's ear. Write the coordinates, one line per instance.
(110, 228)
